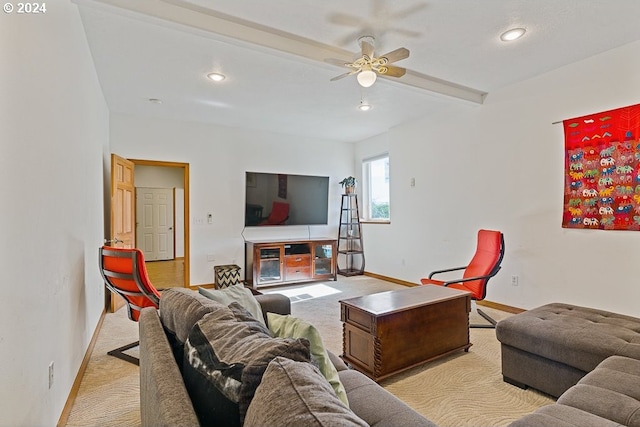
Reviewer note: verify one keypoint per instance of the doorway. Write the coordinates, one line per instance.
(172, 272)
(155, 223)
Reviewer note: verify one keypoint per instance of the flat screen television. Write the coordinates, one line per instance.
(285, 199)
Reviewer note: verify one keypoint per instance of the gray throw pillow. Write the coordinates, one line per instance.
(296, 394)
(224, 361)
(235, 293)
(180, 309)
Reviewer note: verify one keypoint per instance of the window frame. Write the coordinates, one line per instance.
(365, 212)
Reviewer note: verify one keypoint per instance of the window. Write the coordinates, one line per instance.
(375, 177)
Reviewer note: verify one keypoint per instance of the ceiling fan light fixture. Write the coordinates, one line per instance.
(366, 78)
(364, 107)
(216, 77)
(512, 34)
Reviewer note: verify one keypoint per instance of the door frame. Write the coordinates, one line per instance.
(185, 177)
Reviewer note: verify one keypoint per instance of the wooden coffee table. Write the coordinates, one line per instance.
(389, 332)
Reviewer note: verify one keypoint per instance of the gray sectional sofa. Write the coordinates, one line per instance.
(608, 396)
(165, 400)
(589, 358)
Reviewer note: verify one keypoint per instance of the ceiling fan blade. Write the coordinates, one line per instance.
(408, 11)
(405, 32)
(378, 8)
(336, 61)
(367, 48)
(391, 71)
(341, 76)
(344, 19)
(395, 55)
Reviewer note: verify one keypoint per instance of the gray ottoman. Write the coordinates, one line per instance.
(550, 348)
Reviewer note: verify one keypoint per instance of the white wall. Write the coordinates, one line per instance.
(159, 177)
(500, 166)
(54, 133)
(218, 157)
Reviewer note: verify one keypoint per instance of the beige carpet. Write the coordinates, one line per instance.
(109, 394)
(464, 389)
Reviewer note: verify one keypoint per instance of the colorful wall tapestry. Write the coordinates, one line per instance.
(602, 170)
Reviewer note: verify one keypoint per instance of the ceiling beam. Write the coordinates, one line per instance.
(234, 30)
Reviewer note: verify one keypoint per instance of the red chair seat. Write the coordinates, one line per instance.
(459, 286)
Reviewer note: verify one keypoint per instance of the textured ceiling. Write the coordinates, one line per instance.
(272, 54)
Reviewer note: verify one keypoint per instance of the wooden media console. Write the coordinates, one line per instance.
(276, 262)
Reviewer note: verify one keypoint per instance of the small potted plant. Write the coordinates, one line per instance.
(349, 184)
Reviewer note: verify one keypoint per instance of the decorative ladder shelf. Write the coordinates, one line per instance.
(350, 249)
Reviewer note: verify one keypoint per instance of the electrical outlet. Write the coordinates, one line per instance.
(514, 280)
(211, 258)
(50, 374)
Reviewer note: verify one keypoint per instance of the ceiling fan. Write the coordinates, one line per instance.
(368, 67)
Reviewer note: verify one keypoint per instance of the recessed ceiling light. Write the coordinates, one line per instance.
(155, 100)
(512, 34)
(364, 107)
(216, 77)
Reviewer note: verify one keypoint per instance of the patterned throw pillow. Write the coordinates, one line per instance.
(243, 315)
(224, 361)
(295, 394)
(180, 309)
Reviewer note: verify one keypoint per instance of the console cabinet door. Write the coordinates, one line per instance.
(324, 260)
(270, 260)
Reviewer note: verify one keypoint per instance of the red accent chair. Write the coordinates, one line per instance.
(279, 214)
(484, 265)
(125, 274)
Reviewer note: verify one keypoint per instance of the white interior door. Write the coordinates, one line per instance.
(155, 227)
